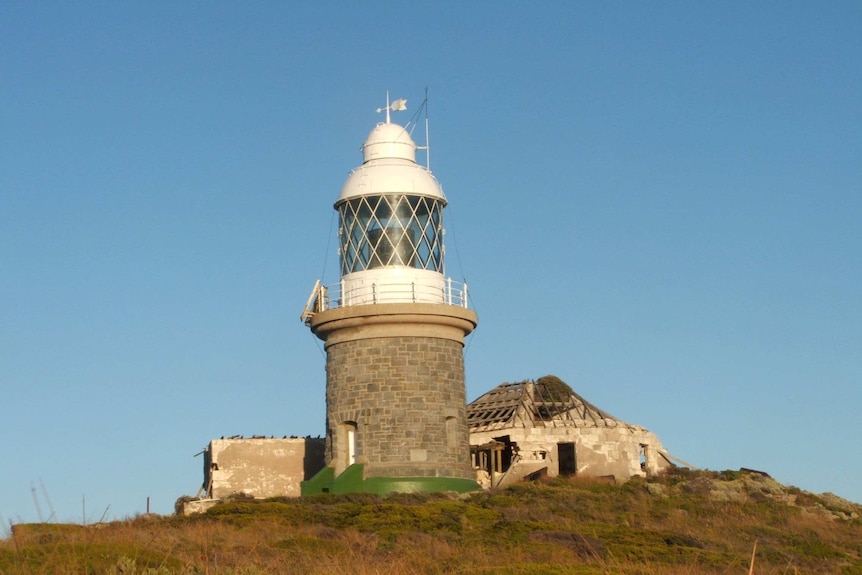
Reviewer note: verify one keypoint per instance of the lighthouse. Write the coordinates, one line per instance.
(393, 329)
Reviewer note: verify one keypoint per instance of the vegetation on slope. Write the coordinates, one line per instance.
(681, 523)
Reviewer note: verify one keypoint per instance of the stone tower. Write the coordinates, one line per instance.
(394, 329)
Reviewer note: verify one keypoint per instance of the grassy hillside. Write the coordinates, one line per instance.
(682, 523)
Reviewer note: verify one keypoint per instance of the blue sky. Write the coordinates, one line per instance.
(658, 203)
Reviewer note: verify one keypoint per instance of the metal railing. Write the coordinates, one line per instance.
(324, 298)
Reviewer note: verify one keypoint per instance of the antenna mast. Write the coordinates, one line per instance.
(427, 135)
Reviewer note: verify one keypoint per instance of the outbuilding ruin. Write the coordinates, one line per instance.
(257, 467)
(542, 427)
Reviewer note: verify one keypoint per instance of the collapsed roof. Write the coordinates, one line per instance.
(545, 402)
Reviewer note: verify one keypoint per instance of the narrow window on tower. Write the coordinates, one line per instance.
(349, 443)
(451, 432)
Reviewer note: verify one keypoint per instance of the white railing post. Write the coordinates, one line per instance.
(464, 295)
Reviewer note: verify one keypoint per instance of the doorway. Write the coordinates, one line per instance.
(566, 457)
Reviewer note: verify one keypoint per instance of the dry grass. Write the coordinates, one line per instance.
(553, 527)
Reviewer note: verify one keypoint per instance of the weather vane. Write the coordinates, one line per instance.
(398, 105)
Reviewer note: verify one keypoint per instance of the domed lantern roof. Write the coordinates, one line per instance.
(389, 141)
(389, 167)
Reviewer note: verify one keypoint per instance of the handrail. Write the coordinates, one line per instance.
(324, 298)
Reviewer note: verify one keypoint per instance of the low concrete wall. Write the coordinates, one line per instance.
(197, 506)
(261, 467)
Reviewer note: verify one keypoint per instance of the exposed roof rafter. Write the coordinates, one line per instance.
(536, 404)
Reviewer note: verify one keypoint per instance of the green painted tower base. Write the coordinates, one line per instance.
(353, 481)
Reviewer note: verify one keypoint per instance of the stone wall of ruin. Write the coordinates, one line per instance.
(600, 451)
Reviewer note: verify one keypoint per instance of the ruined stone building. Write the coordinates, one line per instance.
(542, 427)
(258, 467)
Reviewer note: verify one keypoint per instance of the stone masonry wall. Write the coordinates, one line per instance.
(599, 450)
(406, 397)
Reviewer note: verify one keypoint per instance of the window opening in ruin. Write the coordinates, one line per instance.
(566, 456)
(485, 457)
(643, 456)
(510, 448)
